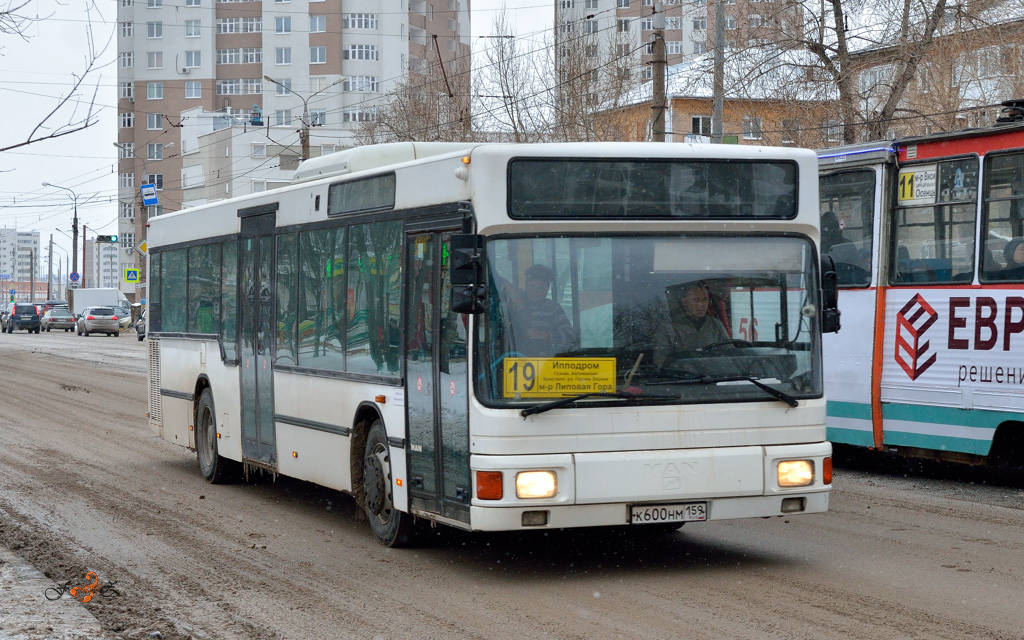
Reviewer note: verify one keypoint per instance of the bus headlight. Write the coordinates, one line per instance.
(536, 484)
(795, 473)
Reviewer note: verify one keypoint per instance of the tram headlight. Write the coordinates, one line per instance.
(795, 473)
(536, 484)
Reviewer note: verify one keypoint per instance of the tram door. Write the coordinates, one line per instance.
(436, 371)
(256, 336)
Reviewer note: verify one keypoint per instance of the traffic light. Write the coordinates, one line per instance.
(106, 238)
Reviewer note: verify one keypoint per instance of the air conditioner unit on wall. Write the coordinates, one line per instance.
(185, 70)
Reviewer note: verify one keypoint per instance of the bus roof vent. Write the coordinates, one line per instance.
(371, 157)
(1013, 111)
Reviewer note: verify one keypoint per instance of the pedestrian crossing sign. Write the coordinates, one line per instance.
(131, 275)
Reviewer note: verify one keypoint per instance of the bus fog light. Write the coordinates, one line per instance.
(535, 518)
(795, 473)
(536, 484)
(793, 505)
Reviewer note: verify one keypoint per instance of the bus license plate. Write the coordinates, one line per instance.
(679, 512)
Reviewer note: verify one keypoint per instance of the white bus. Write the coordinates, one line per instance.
(366, 329)
(922, 231)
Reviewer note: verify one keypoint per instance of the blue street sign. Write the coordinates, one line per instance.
(12, 292)
(148, 194)
(74, 276)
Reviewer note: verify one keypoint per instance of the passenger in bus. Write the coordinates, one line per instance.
(539, 326)
(1013, 253)
(691, 327)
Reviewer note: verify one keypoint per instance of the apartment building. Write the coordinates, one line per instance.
(284, 58)
(19, 254)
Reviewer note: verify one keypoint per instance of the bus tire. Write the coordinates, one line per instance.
(392, 527)
(216, 469)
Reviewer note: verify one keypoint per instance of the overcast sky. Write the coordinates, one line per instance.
(35, 73)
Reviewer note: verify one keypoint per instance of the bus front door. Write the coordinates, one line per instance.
(436, 374)
(256, 336)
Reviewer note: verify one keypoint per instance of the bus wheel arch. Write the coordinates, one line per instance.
(214, 467)
(1008, 446)
(372, 479)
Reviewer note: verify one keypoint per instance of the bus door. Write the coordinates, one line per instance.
(256, 336)
(436, 375)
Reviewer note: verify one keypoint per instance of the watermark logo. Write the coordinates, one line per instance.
(83, 592)
(912, 322)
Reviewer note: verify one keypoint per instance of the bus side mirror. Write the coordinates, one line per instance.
(469, 293)
(829, 296)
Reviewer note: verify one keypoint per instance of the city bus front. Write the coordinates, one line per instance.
(654, 359)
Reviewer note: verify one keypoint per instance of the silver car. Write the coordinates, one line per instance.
(98, 320)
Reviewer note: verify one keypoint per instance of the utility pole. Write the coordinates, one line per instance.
(74, 227)
(718, 90)
(49, 272)
(83, 257)
(658, 81)
(304, 131)
(32, 275)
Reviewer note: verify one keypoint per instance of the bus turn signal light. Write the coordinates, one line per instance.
(488, 485)
(826, 471)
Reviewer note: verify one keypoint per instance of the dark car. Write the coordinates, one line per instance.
(58, 318)
(24, 316)
(140, 325)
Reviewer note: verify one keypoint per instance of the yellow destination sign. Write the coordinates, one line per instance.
(557, 377)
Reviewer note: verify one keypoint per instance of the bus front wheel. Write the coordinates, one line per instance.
(215, 469)
(392, 527)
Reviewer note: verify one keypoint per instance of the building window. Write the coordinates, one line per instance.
(154, 29)
(282, 117)
(126, 180)
(327, 149)
(622, 4)
(833, 130)
(790, 131)
(229, 87)
(154, 121)
(700, 24)
(317, 55)
(127, 120)
(127, 29)
(282, 24)
(647, 73)
(359, 21)
(156, 179)
(360, 83)
(283, 55)
(229, 25)
(622, 26)
(127, 210)
(154, 91)
(590, 4)
(590, 26)
(259, 150)
(154, 4)
(283, 86)
(253, 85)
(192, 28)
(155, 151)
(155, 60)
(730, 22)
(622, 50)
(589, 51)
(647, 24)
(700, 125)
(751, 128)
(193, 3)
(126, 59)
(125, 150)
(252, 25)
(229, 56)
(699, 47)
(193, 59)
(317, 24)
(317, 117)
(674, 47)
(673, 22)
(360, 52)
(127, 90)
(358, 114)
(193, 89)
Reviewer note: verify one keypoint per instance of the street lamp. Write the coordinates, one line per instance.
(74, 226)
(304, 132)
(66, 259)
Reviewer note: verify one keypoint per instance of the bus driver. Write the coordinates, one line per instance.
(690, 328)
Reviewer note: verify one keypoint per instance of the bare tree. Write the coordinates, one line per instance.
(73, 111)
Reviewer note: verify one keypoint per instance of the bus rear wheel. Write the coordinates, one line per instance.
(392, 527)
(215, 469)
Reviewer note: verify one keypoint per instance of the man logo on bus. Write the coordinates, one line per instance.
(913, 320)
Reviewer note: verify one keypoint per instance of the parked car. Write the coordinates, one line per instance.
(58, 318)
(140, 325)
(99, 320)
(24, 316)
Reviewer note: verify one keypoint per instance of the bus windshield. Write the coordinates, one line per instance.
(670, 318)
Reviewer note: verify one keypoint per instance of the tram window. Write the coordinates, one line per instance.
(935, 243)
(847, 223)
(1003, 218)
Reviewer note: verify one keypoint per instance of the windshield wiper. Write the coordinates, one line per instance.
(772, 391)
(563, 402)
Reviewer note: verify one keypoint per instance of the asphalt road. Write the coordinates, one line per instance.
(905, 551)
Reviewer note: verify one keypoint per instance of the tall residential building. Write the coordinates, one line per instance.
(104, 260)
(19, 255)
(339, 57)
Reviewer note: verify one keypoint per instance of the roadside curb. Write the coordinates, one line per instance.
(25, 614)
